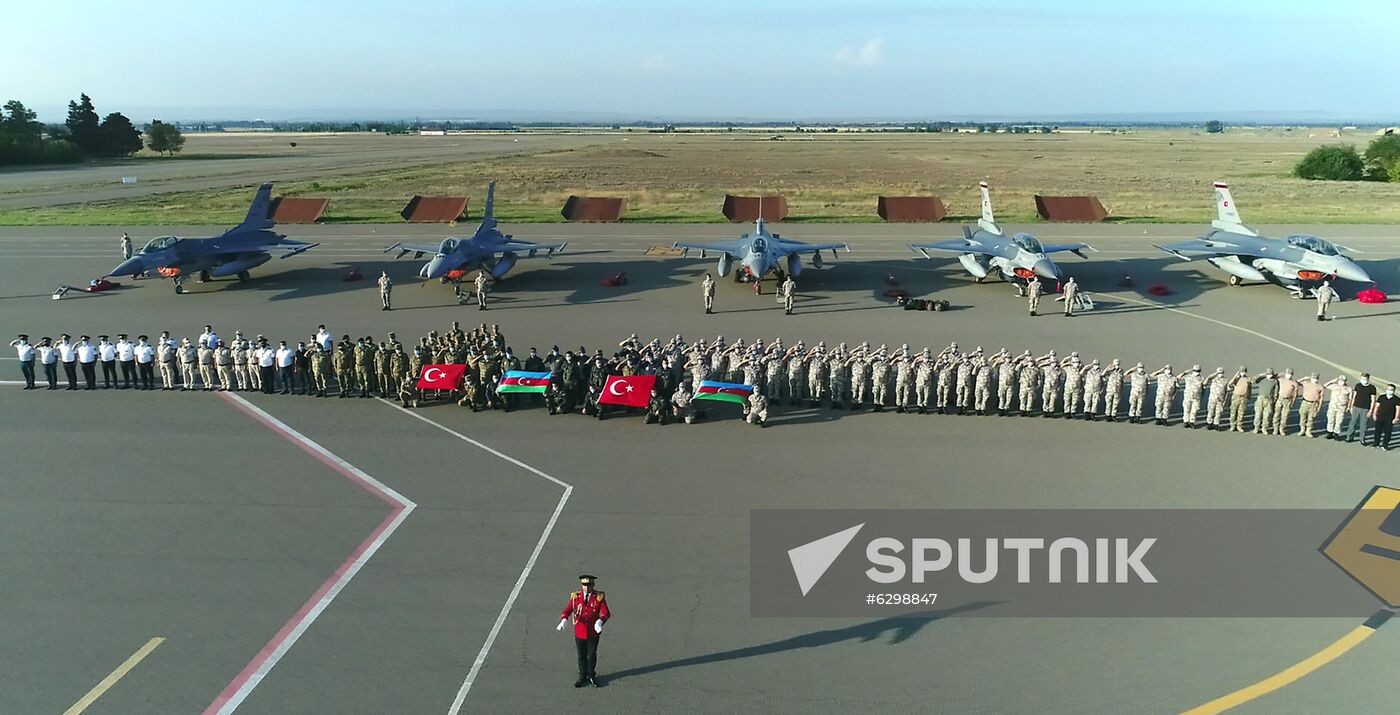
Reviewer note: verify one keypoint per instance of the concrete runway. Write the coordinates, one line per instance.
(269, 158)
(182, 516)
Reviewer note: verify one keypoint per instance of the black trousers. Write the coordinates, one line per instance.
(90, 374)
(267, 376)
(70, 371)
(109, 373)
(1383, 429)
(51, 374)
(26, 368)
(587, 656)
(148, 375)
(128, 372)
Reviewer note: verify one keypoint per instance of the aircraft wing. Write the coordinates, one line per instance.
(1075, 248)
(1198, 248)
(527, 249)
(736, 248)
(291, 247)
(800, 247)
(956, 245)
(418, 249)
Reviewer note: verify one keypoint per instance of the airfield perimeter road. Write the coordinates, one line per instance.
(131, 516)
(315, 156)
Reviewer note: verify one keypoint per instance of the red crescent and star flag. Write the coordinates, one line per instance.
(441, 377)
(631, 391)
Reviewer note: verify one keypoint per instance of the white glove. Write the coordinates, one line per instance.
(597, 626)
(562, 621)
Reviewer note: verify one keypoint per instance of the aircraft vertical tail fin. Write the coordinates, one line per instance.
(488, 216)
(1227, 215)
(988, 222)
(260, 212)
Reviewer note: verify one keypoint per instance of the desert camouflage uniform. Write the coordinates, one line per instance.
(1093, 389)
(1112, 391)
(1166, 394)
(879, 380)
(923, 382)
(1029, 381)
(965, 368)
(772, 376)
(1073, 387)
(794, 377)
(947, 368)
(982, 384)
(1338, 402)
(1006, 383)
(1050, 388)
(903, 372)
(816, 377)
(860, 390)
(1215, 398)
(1137, 392)
(1191, 385)
(836, 375)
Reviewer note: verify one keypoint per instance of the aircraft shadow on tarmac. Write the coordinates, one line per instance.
(898, 628)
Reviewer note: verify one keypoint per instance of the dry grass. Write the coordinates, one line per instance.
(1149, 175)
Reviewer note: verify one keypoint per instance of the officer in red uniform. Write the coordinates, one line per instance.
(588, 612)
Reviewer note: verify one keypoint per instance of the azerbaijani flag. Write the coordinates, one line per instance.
(521, 381)
(723, 392)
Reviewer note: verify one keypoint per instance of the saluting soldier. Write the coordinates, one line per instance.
(587, 611)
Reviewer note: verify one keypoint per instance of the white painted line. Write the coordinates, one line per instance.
(529, 563)
(253, 673)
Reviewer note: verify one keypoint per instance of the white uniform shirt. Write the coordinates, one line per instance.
(25, 352)
(87, 353)
(66, 353)
(47, 354)
(145, 353)
(266, 357)
(106, 352)
(324, 339)
(126, 350)
(285, 356)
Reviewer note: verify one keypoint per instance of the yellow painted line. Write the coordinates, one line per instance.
(1286, 676)
(112, 678)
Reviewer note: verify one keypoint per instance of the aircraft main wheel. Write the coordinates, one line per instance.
(243, 276)
(179, 289)
(1236, 280)
(204, 276)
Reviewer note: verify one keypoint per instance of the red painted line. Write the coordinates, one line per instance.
(247, 679)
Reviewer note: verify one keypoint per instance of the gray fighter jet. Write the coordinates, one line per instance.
(1018, 258)
(234, 253)
(1299, 262)
(759, 253)
(455, 257)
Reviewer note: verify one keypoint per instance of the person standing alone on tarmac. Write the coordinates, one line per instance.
(1325, 296)
(707, 291)
(126, 246)
(481, 289)
(1071, 295)
(1033, 291)
(788, 290)
(386, 287)
(588, 612)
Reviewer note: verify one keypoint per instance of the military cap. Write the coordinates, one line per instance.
(587, 580)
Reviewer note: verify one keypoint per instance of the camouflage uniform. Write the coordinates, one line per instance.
(794, 377)
(1093, 389)
(758, 409)
(1113, 390)
(879, 380)
(1137, 392)
(982, 384)
(1050, 387)
(1029, 379)
(836, 375)
(965, 367)
(1192, 383)
(1006, 384)
(1338, 401)
(320, 370)
(816, 376)
(860, 390)
(1074, 381)
(923, 381)
(1215, 399)
(772, 376)
(1166, 394)
(344, 365)
(947, 368)
(1239, 402)
(903, 372)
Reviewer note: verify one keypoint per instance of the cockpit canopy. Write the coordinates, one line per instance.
(760, 245)
(449, 245)
(1028, 242)
(159, 244)
(1312, 243)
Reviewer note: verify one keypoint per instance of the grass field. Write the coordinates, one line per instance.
(1143, 175)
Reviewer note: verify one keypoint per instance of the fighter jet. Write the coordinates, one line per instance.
(760, 253)
(455, 257)
(240, 249)
(1018, 258)
(1299, 262)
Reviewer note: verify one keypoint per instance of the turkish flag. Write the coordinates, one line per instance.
(633, 391)
(441, 377)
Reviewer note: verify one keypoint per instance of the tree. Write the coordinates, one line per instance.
(83, 126)
(1214, 127)
(119, 136)
(1382, 156)
(164, 138)
(1394, 173)
(1339, 162)
(21, 124)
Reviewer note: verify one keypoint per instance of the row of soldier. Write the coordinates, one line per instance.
(921, 381)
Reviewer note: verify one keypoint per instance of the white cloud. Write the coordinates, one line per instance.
(656, 63)
(866, 55)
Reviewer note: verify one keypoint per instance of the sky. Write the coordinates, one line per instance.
(717, 59)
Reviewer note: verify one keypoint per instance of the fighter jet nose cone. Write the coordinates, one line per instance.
(130, 267)
(434, 269)
(1352, 272)
(1045, 268)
